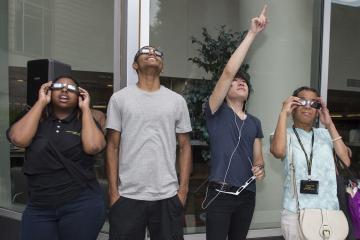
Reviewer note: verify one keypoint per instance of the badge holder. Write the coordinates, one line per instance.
(309, 186)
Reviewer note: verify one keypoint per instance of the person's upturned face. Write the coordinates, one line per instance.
(238, 89)
(306, 114)
(64, 93)
(149, 57)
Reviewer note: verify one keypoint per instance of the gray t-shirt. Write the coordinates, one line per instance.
(148, 123)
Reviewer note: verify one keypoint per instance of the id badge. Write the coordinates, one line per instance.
(309, 186)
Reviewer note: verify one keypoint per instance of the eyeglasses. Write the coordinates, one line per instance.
(69, 87)
(240, 189)
(311, 103)
(148, 50)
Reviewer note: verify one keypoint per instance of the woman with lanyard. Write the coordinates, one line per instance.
(60, 137)
(314, 177)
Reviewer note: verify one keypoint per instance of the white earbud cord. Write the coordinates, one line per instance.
(228, 167)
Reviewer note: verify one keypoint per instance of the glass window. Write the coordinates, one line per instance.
(281, 59)
(78, 33)
(344, 75)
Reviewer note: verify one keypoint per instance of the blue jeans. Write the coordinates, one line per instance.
(229, 216)
(79, 219)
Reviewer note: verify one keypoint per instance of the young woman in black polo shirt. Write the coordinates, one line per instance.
(60, 137)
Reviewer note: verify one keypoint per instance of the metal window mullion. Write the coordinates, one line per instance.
(23, 28)
(325, 49)
(144, 33)
(42, 32)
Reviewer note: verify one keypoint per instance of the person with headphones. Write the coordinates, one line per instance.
(235, 145)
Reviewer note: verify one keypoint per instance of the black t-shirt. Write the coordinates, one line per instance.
(56, 166)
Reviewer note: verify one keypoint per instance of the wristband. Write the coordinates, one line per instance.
(335, 139)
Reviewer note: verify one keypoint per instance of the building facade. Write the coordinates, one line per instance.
(99, 39)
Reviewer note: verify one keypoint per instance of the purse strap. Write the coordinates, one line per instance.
(341, 165)
(292, 171)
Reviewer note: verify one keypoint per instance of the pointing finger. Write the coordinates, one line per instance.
(263, 11)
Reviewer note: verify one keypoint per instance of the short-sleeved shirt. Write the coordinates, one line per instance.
(55, 164)
(148, 123)
(224, 128)
(322, 170)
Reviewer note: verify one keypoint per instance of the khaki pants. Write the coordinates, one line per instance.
(290, 226)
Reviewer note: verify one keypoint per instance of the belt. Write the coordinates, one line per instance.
(223, 186)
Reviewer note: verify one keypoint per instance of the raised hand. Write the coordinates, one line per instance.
(290, 104)
(84, 99)
(259, 23)
(45, 93)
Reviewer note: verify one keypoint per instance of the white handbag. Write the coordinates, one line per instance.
(320, 224)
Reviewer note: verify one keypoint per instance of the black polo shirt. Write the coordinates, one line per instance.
(56, 166)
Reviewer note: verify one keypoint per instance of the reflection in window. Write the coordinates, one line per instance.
(79, 33)
(30, 27)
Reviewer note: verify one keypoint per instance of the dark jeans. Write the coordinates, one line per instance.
(228, 215)
(79, 219)
(129, 218)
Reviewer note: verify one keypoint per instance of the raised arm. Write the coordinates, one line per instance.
(92, 137)
(112, 164)
(338, 144)
(185, 165)
(23, 131)
(222, 86)
(278, 144)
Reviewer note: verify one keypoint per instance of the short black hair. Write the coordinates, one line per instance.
(305, 88)
(244, 75)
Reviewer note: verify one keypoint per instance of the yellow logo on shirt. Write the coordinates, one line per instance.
(73, 132)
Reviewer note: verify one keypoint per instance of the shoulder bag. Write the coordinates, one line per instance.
(318, 224)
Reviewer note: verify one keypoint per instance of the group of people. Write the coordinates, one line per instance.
(145, 124)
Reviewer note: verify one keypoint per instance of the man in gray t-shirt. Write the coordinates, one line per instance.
(143, 122)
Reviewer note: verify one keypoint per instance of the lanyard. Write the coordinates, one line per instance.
(308, 160)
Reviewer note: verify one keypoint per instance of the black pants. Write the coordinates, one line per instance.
(129, 218)
(228, 215)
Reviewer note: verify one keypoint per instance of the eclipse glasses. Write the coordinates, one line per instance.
(148, 50)
(310, 103)
(69, 87)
